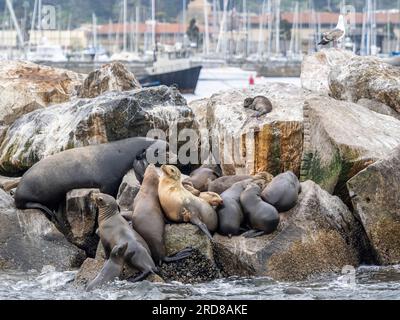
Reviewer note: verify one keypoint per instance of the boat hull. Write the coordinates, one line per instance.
(185, 80)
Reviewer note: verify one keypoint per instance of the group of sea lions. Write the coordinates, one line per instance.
(229, 205)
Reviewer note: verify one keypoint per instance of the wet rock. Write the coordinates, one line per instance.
(88, 271)
(341, 139)
(9, 183)
(110, 77)
(366, 77)
(378, 107)
(26, 86)
(320, 235)
(375, 195)
(128, 191)
(315, 68)
(110, 117)
(80, 220)
(245, 144)
(29, 241)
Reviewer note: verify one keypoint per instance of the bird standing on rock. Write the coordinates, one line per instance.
(334, 35)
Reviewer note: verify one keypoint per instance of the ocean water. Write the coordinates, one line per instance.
(214, 80)
(368, 283)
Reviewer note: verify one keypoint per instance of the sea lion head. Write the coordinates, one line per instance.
(248, 102)
(104, 201)
(171, 172)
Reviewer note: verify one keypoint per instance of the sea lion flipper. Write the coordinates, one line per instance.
(194, 219)
(140, 277)
(183, 254)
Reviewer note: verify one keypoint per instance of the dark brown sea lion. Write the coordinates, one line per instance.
(112, 268)
(201, 177)
(261, 216)
(115, 231)
(283, 191)
(103, 166)
(260, 104)
(148, 219)
(179, 205)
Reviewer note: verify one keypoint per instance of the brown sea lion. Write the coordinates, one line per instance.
(148, 218)
(283, 191)
(260, 104)
(179, 205)
(224, 183)
(189, 187)
(201, 177)
(261, 216)
(115, 231)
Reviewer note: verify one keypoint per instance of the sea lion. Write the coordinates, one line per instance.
(260, 104)
(224, 183)
(112, 268)
(180, 205)
(201, 177)
(261, 216)
(230, 213)
(148, 219)
(189, 187)
(212, 198)
(115, 231)
(103, 166)
(283, 191)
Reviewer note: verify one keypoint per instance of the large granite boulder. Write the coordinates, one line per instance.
(26, 86)
(320, 235)
(28, 240)
(244, 144)
(315, 68)
(376, 198)
(128, 191)
(110, 77)
(112, 116)
(341, 139)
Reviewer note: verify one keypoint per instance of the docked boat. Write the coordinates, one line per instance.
(47, 52)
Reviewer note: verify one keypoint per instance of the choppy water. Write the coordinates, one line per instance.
(369, 283)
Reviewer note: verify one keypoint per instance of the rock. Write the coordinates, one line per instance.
(110, 77)
(366, 77)
(320, 235)
(112, 116)
(88, 271)
(315, 68)
(8, 183)
(378, 107)
(128, 191)
(26, 86)
(271, 143)
(80, 220)
(375, 196)
(29, 241)
(341, 139)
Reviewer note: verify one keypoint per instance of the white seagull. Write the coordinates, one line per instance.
(334, 35)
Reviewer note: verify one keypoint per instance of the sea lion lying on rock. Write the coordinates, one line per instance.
(179, 205)
(102, 166)
(262, 217)
(224, 183)
(283, 191)
(116, 232)
(148, 219)
(260, 104)
(212, 198)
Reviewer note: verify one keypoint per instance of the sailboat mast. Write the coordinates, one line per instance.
(153, 23)
(207, 38)
(125, 9)
(260, 48)
(94, 31)
(32, 24)
(137, 21)
(222, 26)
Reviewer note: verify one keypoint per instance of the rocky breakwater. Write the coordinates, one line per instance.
(245, 144)
(26, 86)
